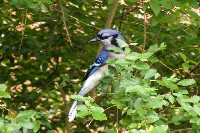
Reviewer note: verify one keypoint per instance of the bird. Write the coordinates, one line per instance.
(95, 73)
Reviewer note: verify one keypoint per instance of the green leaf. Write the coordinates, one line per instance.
(97, 113)
(46, 123)
(47, 1)
(196, 98)
(153, 48)
(51, 131)
(108, 131)
(176, 118)
(123, 62)
(2, 87)
(124, 44)
(43, 6)
(162, 46)
(125, 98)
(167, 83)
(152, 117)
(125, 121)
(197, 109)
(2, 126)
(166, 4)
(110, 1)
(33, 5)
(107, 79)
(131, 1)
(26, 114)
(141, 111)
(150, 73)
(141, 66)
(198, 122)
(183, 56)
(103, 86)
(116, 49)
(193, 3)
(160, 129)
(111, 60)
(170, 98)
(78, 97)
(145, 56)
(25, 123)
(36, 125)
(134, 88)
(12, 127)
(65, 78)
(128, 83)
(153, 59)
(194, 120)
(133, 44)
(186, 66)
(139, 103)
(187, 82)
(5, 94)
(128, 50)
(135, 131)
(83, 111)
(155, 7)
(118, 103)
(132, 125)
(157, 75)
(132, 56)
(156, 102)
(154, 21)
(124, 110)
(112, 70)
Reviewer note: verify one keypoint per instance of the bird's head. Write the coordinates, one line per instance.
(108, 38)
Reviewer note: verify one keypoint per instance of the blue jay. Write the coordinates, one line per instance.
(94, 75)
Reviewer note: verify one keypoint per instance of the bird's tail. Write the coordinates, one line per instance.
(73, 111)
(88, 85)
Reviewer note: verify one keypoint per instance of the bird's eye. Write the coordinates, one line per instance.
(105, 37)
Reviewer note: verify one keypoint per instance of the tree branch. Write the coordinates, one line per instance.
(145, 35)
(107, 26)
(68, 124)
(63, 15)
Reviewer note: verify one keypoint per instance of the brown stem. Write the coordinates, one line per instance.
(68, 124)
(145, 35)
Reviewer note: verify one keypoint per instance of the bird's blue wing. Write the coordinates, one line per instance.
(99, 62)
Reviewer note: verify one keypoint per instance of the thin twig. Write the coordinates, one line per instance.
(179, 130)
(144, 29)
(165, 65)
(89, 123)
(68, 35)
(158, 32)
(117, 121)
(121, 19)
(73, 17)
(23, 28)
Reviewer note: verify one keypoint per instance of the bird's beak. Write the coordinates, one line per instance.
(96, 39)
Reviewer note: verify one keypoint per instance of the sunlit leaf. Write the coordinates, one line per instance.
(26, 114)
(155, 7)
(187, 82)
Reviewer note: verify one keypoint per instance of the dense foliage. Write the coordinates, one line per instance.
(45, 52)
